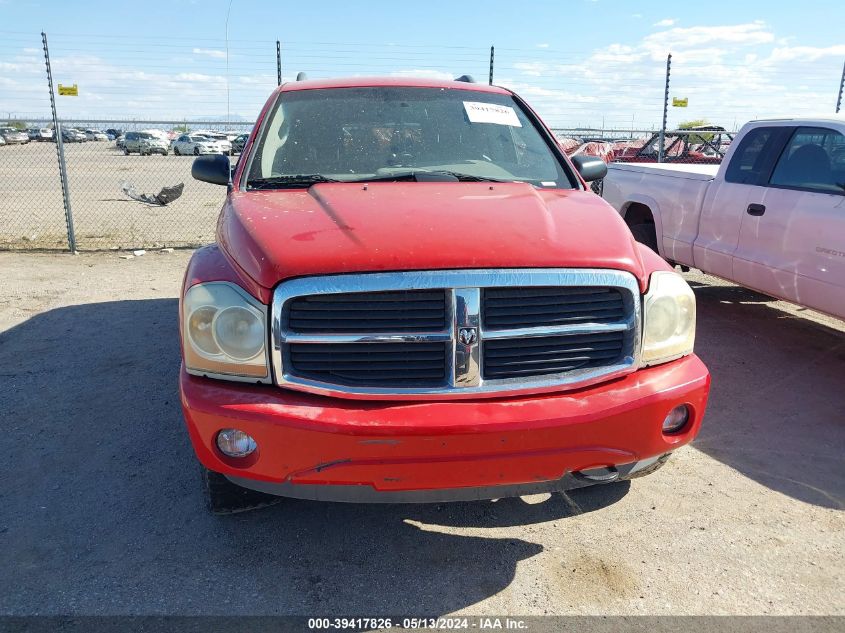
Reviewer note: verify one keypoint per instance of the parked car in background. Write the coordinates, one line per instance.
(239, 143)
(72, 135)
(95, 135)
(120, 141)
(769, 218)
(222, 140)
(114, 133)
(40, 134)
(447, 314)
(13, 136)
(144, 144)
(195, 144)
(2, 140)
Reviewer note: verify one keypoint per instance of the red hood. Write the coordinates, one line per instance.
(341, 228)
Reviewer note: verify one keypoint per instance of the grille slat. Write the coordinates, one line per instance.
(545, 306)
(371, 364)
(369, 312)
(514, 358)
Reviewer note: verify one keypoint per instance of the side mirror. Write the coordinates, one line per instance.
(590, 167)
(214, 168)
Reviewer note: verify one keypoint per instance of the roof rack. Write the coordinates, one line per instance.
(301, 76)
(466, 78)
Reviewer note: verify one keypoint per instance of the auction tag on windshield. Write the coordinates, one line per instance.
(479, 112)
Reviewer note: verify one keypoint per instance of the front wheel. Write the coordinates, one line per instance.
(196, 151)
(126, 151)
(224, 497)
(176, 151)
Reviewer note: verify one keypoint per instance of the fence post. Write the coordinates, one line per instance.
(492, 51)
(278, 63)
(660, 151)
(60, 152)
(841, 86)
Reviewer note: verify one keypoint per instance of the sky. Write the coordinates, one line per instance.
(580, 63)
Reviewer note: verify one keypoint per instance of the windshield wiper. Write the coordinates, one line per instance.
(288, 181)
(429, 176)
(306, 180)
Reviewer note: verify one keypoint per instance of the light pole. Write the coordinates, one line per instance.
(228, 122)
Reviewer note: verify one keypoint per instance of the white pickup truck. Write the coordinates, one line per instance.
(771, 217)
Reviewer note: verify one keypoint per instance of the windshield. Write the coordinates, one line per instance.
(357, 134)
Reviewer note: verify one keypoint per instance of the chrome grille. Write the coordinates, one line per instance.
(455, 333)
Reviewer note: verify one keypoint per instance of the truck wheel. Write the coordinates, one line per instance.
(645, 234)
(649, 469)
(126, 151)
(224, 497)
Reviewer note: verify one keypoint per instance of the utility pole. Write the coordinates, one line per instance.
(492, 53)
(841, 85)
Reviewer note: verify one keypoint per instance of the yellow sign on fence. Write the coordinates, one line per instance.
(68, 91)
(679, 103)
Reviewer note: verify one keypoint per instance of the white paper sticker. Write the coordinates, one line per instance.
(479, 112)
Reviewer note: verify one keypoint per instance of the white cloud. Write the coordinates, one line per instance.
(424, 73)
(806, 53)
(210, 52)
(666, 22)
(542, 45)
(694, 37)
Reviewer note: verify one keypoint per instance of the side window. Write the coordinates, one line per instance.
(814, 159)
(752, 156)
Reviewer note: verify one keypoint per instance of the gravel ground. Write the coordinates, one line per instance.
(102, 512)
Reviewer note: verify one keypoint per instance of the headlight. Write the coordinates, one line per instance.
(668, 319)
(224, 332)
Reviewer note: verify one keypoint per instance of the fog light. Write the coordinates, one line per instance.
(235, 443)
(677, 419)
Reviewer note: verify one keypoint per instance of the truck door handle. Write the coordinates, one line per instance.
(756, 209)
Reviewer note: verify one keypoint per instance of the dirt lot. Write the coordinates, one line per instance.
(102, 511)
(32, 213)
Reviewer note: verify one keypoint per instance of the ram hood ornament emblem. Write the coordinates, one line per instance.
(468, 335)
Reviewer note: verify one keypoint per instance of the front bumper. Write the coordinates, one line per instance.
(330, 448)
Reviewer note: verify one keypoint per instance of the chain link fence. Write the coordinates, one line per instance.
(623, 102)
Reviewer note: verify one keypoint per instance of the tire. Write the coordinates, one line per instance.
(196, 151)
(126, 151)
(224, 497)
(176, 151)
(649, 469)
(645, 234)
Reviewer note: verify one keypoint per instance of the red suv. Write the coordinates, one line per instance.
(415, 297)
